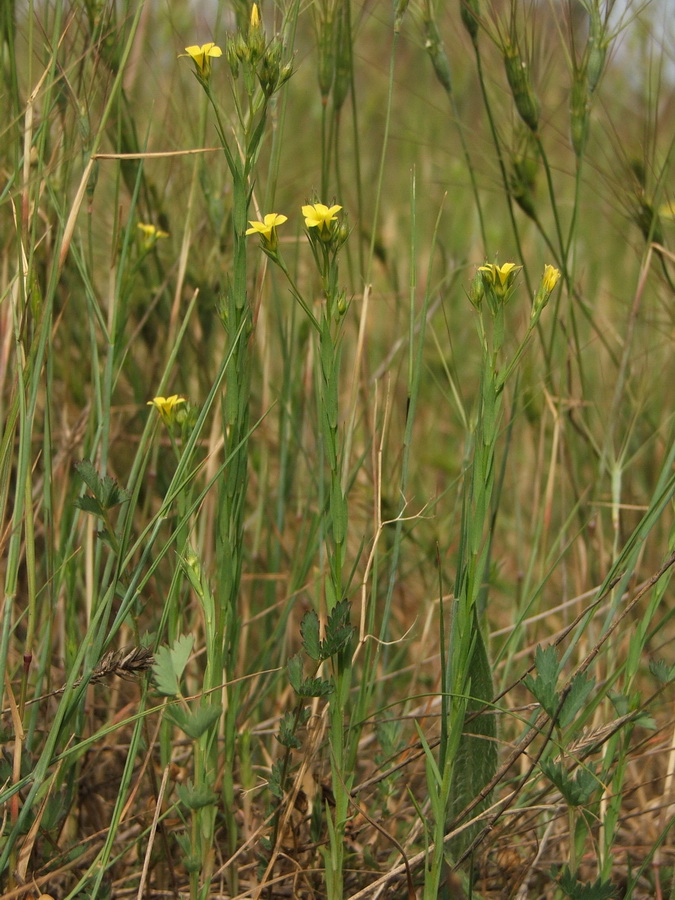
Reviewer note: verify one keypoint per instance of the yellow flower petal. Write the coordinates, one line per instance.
(318, 215)
(201, 55)
(267, 226)
(505, 271)
(165, 406)
(151, 232)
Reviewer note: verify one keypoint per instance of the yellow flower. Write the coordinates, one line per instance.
(550, 279)
(266, 227)
(255, 17)
(202, 56)
(319, 216)
(165, 406)
(499, 276)
(151, 234)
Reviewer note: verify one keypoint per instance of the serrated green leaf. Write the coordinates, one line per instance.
(286, 735)
(576, 789)
(620, 702)
(89, 475)
(89, 505)
(578, 890)
(105, 537)
(180, 653)
(163, 673)
(196, 722)
(309, 629)
(580, 689)
(662, 671)
(543, 685)
(274, 781)
(111, 494)
(170, 664)
(315, 687)
(196, 797)
(294, 669)
(547, 665)
(338, 630)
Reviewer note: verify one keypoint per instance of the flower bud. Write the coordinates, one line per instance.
(469, 11)
(549, 280)
(597, 49)
(520, 82)
(439, 58)
(477, 290)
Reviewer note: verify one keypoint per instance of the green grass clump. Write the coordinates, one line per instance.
(337, 458)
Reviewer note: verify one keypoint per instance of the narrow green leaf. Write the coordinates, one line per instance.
(338, 512)
(476, 757)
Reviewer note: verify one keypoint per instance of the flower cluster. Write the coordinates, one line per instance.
(326, 235)
(321, 221)
(256, 58)
(495, 283)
